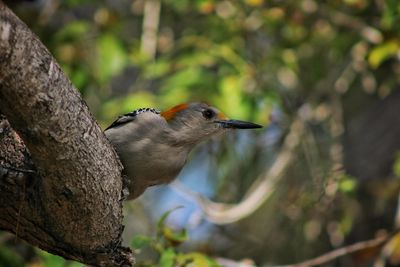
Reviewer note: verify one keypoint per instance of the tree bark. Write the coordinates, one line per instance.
(60, 179)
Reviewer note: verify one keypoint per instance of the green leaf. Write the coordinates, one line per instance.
(391, 13)
(156, 69)
(80, 77)
(50, 260)
(175, 237)
(72, 31)
(161, 222)
(347, 184)
(111, 57)
(396, 165)
(175, 95)
(140, 241)
(196, 259)
(9, 256)
(73, 3)
(167, 258)
(179, 6)
(183, 78)
(231, 97)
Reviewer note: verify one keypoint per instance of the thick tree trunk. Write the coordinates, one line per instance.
(69, 202)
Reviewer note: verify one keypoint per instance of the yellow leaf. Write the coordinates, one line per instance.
(392, 249)
(254, 3)
(383, 52)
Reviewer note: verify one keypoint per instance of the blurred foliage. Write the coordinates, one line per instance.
(15, 253)
(165, 244)
(262, 60)
(50, 260)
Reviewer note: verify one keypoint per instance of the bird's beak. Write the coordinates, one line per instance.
(236, 124)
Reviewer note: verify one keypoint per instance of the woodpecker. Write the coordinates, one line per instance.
(153, 146)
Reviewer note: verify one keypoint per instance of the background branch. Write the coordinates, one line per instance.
(261, 189)
(340, 252)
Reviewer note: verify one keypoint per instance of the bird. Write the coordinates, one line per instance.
(153, 146)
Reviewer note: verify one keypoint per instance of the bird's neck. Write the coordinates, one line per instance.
(181, 138)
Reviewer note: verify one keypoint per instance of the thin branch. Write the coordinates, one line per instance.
(344, 251)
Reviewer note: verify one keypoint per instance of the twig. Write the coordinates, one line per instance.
(231, 263)
(337, 253)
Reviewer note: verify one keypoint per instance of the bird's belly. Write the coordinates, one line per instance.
(156, 172)
(144, 169)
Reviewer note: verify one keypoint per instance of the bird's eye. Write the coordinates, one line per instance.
(208, 114)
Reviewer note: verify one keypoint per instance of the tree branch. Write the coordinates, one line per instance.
(65, 194)
(340, 252)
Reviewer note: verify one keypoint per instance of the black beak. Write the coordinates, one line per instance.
(235, 124)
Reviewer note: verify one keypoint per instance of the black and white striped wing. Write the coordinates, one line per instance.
(130, 117)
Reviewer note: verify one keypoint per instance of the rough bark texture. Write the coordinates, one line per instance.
(70, 201)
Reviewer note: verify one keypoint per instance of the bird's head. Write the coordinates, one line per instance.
(195, 122)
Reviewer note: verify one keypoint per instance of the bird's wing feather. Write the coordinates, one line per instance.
(130, 117)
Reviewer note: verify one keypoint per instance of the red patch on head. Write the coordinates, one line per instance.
(170, 113)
